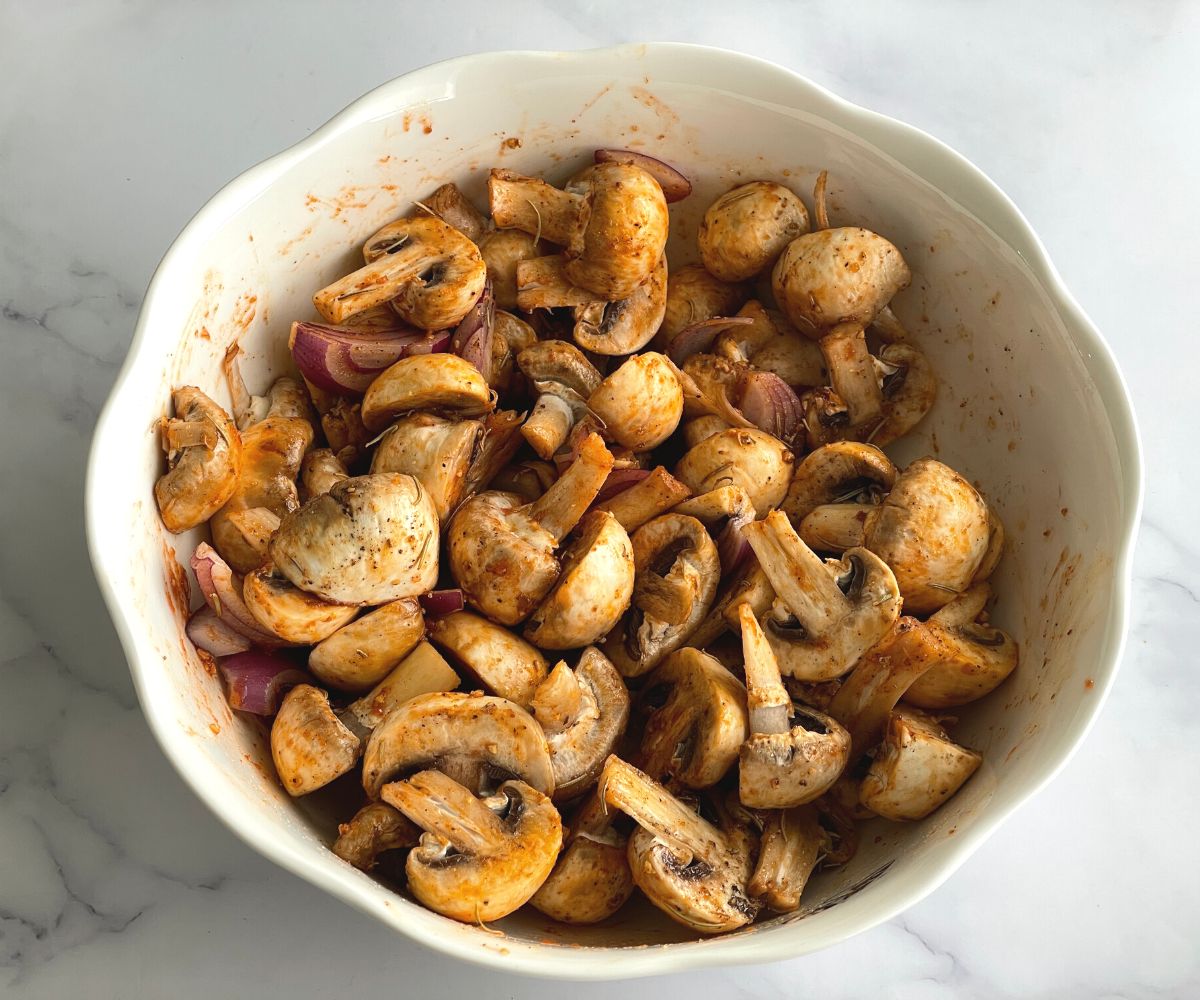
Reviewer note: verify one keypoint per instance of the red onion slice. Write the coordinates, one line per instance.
(208, 632)
(674, 185)
(698, 337)
(769, 403)
(258, 680)
(732, 547)
(344, 359)
(472, 339)
(224, 595)
(439, 603)
(618, 481)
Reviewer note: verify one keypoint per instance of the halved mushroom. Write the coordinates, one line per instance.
(789, 847)
(694, 295)
(359, 655)
(453, 207)
(563, 379)
(502, 251)
(422, 671)
(692, 870)
(827, 614)
(841, 472)
(750, 586)
(724, 511)
(502, 551)
(677, 572)
(289, 612)
(511, 335)
(542, 283)
(436, 451)
(320, 472)
(374, 830)
(309, 744)
(591, 879)
(697, 720)
(471, 737)
(592, 591)
(204, 457)
(626, 325)
(612, 224)
(640, 403)
(771, 344)
(933, 531)
(752, 459)
(584, 712)
(745, 229)
(429, 271)
(824, 415)
(444, 383)
(503, 663)
(916, 768)
(852, 373)
(701, 428)
(793, 753)
(479, 859)
(369, 540)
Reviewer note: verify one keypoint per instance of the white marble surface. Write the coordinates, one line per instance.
(118, 119)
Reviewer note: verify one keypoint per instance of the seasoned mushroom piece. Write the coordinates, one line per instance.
(502, 251)
(697, 720)
(444, 383)
(841, 472)
(422, 671)
(793, 754)
(320, 472)
(745, 229)
(827, 614)
(656, 493)
(752, 459)
(677, 572)
(435, 450)
(852, 373)
(916, 769)
(479, 859)
(204, 457)
(563, 379)
(628, 324)
(503, 663)
(502, 551)
(309, 744)
(692, 870)
(583, 712)
(430, 273)
(369, 540)
(359, 655)
(789, 847)
(933, 530)
(453, 207)
(613, 224)
(640, 403)
(909, 391)
(289, 612)
(771, 344)
(375, 829)
(693, 296)
(542, 283)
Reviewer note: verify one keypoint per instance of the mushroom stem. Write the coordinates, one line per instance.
(834, 527)
(963, 609)
(533, 206)
(558, 699)
(559, 509)
(441, 806)
(547, 427)
(542, 284)
(852, 372)
(179, 434)
(766, 697)
(798, 574)
(788, 850)
(657, 493)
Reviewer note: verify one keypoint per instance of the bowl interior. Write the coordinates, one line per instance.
(1019, 413)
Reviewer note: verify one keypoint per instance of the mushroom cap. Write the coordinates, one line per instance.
(441, 381)
(589, 883)
(640, 403)
(359, 655)
(694, 295)
(320, 471)
(617, 328)
(745, 229)
(782, 770)
(374, 829)
(561, 362)
(289, 612)
(970, 661)
(309, 744)
(752, 459)
(462, 732)
(836, 276)
(502, 662)
(789, 848)
(908, 393)
(502, 250)
(204, 475)
(840, 472)
(369, 540)
(436, 450)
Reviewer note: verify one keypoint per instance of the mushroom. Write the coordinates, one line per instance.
(369, 540)
(479, 859)
(344, 430)
(789, 847)
(750, 586)
(429, 272)
(916, 768)
(563, 379)
(654, 494)
(320, 471)
(593, 589)
(745, 229)
(932, 529)
(700, 429)
(359, 655)
(612, 223)
(724, 512)
(472, 737)
(437, 451)
(289, 612)
(852, 373)
(697, 721)
(204, 457)
(677, 572)
(501, 440)
(441, 382)
(793, 753)
(740, 456)
(510, 336)
(542, 283)
(375, 829)
(840, 472)
(640, 403)
(824, 415)
(628, 324)
(502, 551)
(771, 344)
(591, 879)
(583, 712)
(827, 614)
(309, 744)
(909, 391)
(691, 869)
(453, 207)
(422, 671)
(503, 663)
(693, 296)
(529, 480)
(502, 251)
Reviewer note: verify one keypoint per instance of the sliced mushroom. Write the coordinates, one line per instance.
(320, 471)
(852, 373)
(254, 527)
(584, 713)
(626, 325)
(422, 671)
(916, 768)
(789, 847)
(358, 656)
(793, 754)
(479, 859)
(841, 472)
(933, 530)
(745, 229)
(369, 540)
(444, 383)
(453, 207)
(655, 494)
(827, 614)
(502, 251)
(289, 612)
(429, 272)
(694, 295)
(909, 391)
(752, 459)
(771, 344)
(678, 570)
(640, 403)
(503, 663)
(502, 551)
(472, 737)
(309, 744)
(435, 450)
(591, 879)
(375, 829)
(692, 870)
(204, 458)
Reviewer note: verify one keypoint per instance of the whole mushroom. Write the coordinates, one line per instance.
(752, 459)
(746, 229)
(640, 403)
(443, 383)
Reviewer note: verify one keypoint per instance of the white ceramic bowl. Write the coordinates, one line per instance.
(1032, 408)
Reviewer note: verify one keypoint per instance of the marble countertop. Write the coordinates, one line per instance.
(118, 118)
